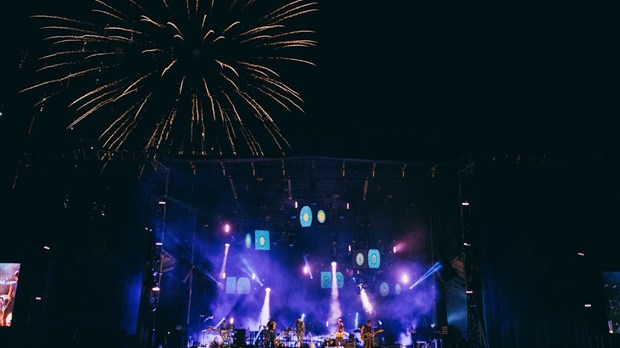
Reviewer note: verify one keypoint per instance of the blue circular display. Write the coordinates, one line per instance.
(384, 288)
(305, 216)
(320, 215)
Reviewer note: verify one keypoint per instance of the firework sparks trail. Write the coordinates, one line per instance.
(188, 76)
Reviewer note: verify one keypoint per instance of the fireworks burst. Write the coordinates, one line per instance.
(189, 76)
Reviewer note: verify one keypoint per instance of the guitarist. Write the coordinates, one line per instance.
(339, 334)
(300, 328)
(270, 339)
(367, 334)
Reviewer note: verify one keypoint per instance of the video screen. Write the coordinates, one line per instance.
(611, 289)
(9, 276)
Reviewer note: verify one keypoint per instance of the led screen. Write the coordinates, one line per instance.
(9, 277)
(611, 289)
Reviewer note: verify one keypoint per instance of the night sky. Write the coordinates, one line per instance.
(426, 80)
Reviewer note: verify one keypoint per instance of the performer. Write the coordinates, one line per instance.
(227, 331)
(270, 335)
(300, 328)
(7, 310)
(340, 334)
(367, 334)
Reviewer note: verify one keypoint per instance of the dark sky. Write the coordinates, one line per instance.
(427, 79)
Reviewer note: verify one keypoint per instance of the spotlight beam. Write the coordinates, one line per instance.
(436, 267)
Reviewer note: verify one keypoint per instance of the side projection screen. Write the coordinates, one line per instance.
(9, 276)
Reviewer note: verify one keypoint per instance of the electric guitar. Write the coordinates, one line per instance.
(371, 334)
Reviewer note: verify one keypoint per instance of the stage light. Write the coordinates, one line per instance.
(306, 271)
(333, 264)
(466, 244)
(161, 202)
(46, 247)
(327, 323)
(436, 267)
(38, 298)
(227, 228)
(308, 267)
(404, 278)
(581, 254)
(155, 288)
(465, 203)
(265, 312)
(227, 245)
(253, 276)
(368, 308)
(159, 243)
(348, 205)
(296, 205)
(232, 320)
(303, 316)
(394, 249)
(349, 247)
(223, 276)
(587, 305)
(469, 292)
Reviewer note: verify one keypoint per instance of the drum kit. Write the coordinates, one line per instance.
(217, 337)
(285, 338)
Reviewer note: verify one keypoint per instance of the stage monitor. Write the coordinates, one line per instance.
(9, 277)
